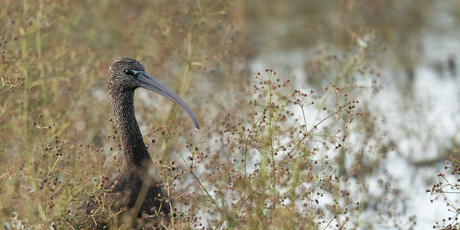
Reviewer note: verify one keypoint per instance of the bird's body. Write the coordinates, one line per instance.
(137, 186)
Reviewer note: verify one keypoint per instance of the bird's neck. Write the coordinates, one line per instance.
(134, 150)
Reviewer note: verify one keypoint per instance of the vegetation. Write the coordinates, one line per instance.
(273, 151)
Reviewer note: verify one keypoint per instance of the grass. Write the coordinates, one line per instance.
(445, 191)
(270, 153)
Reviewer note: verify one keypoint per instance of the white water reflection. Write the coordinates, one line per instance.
(420, 116)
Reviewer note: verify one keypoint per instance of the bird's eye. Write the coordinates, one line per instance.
(129, 72)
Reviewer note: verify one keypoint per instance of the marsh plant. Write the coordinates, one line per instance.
(446, 191)
(271, 153)
(283, 156)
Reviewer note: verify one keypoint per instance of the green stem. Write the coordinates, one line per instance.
(342, 73)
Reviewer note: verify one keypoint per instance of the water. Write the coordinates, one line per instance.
(419, 105)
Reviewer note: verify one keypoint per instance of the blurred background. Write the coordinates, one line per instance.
(55, 115)
(418, 102)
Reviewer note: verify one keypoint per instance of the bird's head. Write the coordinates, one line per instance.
(127, 74)
(124, 74)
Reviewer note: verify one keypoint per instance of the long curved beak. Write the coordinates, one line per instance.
(148, 82)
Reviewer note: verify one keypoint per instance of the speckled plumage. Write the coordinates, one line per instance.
(137, 170)
(137, 187)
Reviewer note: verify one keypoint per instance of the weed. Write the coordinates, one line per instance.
(270, 153)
